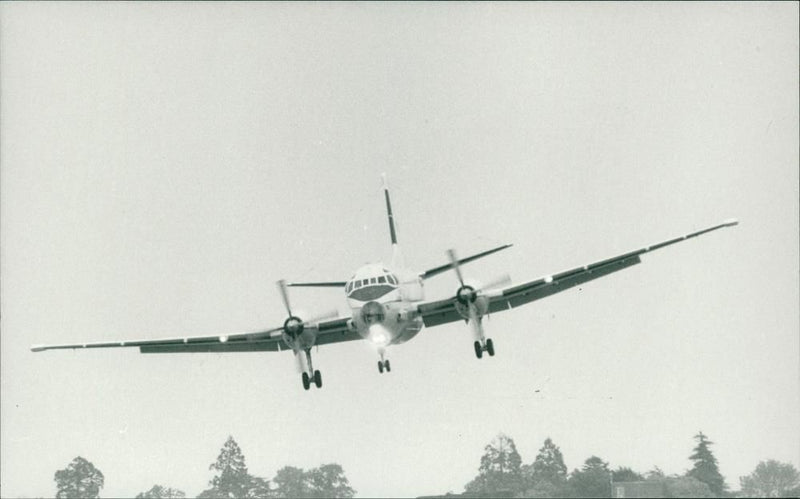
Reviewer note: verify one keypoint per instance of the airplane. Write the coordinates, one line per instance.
(388, 307)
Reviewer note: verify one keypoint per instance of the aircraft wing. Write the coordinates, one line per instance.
(444, 311)
(330, 331)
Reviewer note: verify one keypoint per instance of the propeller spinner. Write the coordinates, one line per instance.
(294, 326)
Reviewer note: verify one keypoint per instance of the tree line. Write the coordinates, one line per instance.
(501, 474)
(80, 479)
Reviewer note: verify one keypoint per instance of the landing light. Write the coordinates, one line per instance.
(378, 336)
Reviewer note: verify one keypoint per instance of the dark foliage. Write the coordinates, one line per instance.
(80, 479)
(705, 466)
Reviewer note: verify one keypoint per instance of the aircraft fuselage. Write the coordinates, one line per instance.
(382, 303)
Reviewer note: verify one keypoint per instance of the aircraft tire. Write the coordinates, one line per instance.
(478, 349)
(318, 379)
(306, 381)
(380, 367)
(387, 365)
(490, 347)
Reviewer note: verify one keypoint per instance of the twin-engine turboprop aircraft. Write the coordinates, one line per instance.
(389, 308)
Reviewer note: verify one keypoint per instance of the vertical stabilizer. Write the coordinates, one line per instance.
(397, 258)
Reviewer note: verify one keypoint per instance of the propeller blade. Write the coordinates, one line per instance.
(499, 282)
(330, 314)
(451, 254)
(284, 295)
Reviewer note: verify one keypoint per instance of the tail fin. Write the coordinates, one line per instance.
(397, 257)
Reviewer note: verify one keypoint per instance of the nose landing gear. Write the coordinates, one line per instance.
(384, 364)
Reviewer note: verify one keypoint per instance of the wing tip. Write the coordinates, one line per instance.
(38, 348)
(731, 222)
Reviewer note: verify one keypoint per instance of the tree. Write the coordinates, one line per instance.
(500, 469)
(258, 488)
(549, 464)
(160, 492)
(770, 479)
(655, 474)
(593, 480)
(80, 479)
(547, 476)
(290, 482)
(329, 481)
(705, 466)
(626, 475)
(545, 489)
(232, 479)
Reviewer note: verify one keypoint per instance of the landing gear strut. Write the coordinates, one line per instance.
(487, 347)
(311, 376)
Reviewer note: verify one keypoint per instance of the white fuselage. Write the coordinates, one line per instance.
(382, 302)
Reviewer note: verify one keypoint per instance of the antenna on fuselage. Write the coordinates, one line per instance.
(397, 258)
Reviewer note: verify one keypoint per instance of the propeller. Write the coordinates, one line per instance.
(499, 282)
(451, 254)
(466, 293)
(285, 295)
(467, 296)
(294, 325)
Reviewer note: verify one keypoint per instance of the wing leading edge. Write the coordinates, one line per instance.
(444, 311)
(270, 340)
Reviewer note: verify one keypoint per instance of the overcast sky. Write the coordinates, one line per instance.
(164, 164)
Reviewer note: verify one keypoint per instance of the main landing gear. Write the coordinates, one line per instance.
(487, 346)
(316, 379)
(384, 364)
(311, 376)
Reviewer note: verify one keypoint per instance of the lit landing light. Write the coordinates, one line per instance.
(378, 335)
(548, 279)
(223, 339)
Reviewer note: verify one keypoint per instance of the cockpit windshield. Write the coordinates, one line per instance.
(387, 278)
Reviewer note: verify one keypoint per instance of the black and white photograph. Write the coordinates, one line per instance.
(399, 249)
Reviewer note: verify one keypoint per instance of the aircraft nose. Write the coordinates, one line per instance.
(373, 313)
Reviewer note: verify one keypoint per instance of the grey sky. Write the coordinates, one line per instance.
(164, 164)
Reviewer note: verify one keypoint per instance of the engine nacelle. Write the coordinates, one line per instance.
(295, 334)
(467, 297)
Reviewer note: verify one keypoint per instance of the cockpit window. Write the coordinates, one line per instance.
(381, 279)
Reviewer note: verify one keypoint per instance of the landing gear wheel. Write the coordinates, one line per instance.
(306, 381)
(478, 349)
(490, 347)
(387, 365)
(318, 379)
(380, 367)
